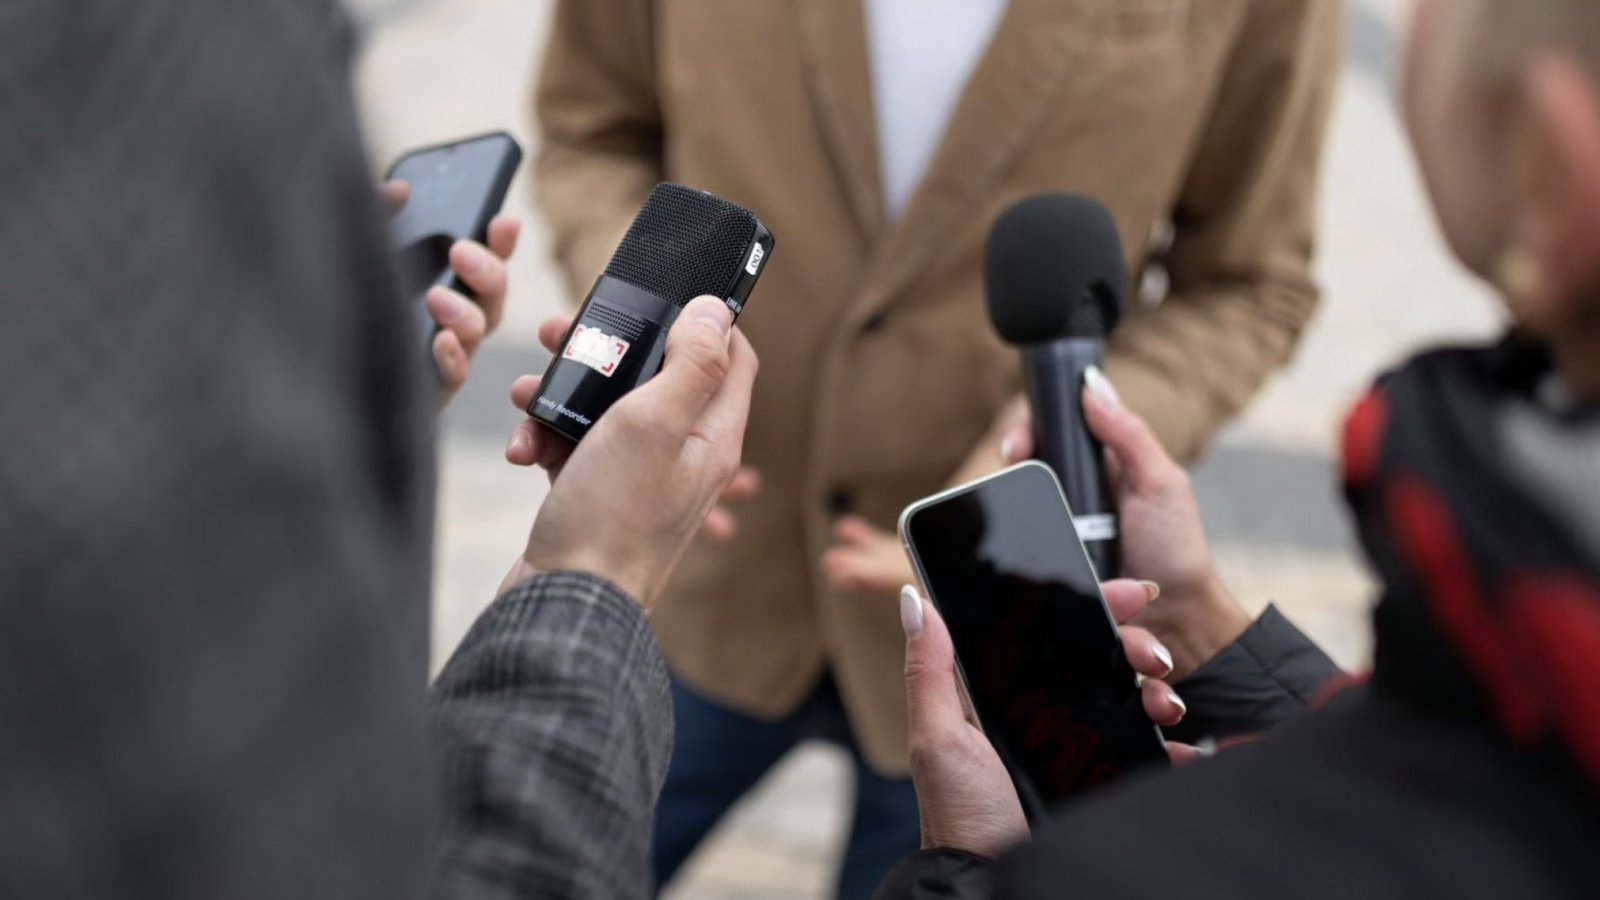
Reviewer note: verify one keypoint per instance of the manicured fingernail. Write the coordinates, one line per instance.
(1165, 655)
(1006, 447)
(1206, 746)
(518, 442)
(1151, 588)
(1101, 386)
(474, 259)
(1177, 701)
(910, 611)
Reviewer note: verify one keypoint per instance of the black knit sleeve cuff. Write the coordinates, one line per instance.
(929, 874)
(1271, 673)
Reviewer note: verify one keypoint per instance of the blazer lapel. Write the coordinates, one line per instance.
(1006, 98)
(833, 37)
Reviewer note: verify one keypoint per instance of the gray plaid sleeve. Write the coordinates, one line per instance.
(555, 721)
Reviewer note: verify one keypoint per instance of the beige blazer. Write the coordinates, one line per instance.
(1200, 120)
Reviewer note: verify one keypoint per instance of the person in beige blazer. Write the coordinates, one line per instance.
(1198, 123)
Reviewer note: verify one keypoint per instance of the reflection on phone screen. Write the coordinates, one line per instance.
(1041, 656)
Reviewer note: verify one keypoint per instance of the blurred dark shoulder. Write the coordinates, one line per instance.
(1363, 798)
(215, 489)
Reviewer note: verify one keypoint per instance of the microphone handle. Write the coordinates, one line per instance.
(1054, 374)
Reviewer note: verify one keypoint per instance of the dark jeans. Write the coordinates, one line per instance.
(721, 754)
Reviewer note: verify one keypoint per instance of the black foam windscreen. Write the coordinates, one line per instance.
(684, 243)
(1053, 268)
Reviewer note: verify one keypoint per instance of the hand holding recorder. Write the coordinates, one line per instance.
(683, 244)
(625, 502)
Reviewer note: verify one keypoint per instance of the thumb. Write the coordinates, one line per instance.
(933, 695)
(697, 362)
(395, 194)
(1138, 453)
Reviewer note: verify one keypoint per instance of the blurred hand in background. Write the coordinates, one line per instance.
(465, 323)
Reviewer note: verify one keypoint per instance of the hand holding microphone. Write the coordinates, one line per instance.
(1162, 537)
(1054, 278)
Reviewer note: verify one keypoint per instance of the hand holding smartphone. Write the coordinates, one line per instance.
(456, 189)
(1038, 650)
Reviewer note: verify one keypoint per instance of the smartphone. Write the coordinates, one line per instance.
(1036, 646)
(456, 190)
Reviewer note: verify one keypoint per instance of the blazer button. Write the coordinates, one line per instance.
(841, 502)
(874, 323)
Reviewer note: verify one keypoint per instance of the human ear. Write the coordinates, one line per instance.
(1550, 268)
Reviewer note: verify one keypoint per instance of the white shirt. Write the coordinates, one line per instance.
(923, 53)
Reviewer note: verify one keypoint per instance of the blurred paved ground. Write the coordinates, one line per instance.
(438, 69)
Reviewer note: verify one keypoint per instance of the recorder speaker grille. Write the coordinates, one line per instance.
(684, 243)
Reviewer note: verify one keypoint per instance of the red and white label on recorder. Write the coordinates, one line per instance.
(595, 349)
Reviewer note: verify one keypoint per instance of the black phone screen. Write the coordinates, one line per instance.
(455, 188)
(1039, 651)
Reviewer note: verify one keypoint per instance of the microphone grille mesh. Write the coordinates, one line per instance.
(684, 243)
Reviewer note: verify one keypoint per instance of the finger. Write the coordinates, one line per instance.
(456, 313)
(1126, 436)
(553, 332)
(504, 231)
(1017, 443)
(484, 274)
(1183, 754)
(523, 448)
(531, 444)
(452, 360)
(836, 566)
(1127, 598)
(1161, 703)
(1016, 432)
(1148, 656)
(839, 568)
(725, 416)
(554, 450)
(1114, 471)
(698, 361)
(854, 531)
(395, 195)
(728, 412)
(746, 483)
(523, 390)
(933, 698)
(720, 525)
(861, 572)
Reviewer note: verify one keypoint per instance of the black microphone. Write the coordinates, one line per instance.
(1054, 276)
(684, 243)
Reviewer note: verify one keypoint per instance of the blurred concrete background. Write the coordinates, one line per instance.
(433, 70)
